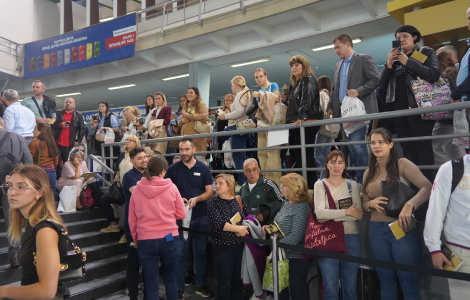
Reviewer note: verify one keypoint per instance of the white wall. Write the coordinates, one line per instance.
(24, 21)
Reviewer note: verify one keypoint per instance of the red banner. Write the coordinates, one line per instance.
(120, 40)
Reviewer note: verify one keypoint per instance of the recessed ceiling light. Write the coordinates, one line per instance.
(71, 94)
(251, 62)
(175, 77)
(355, 41)
(106, 19)
(121, 87)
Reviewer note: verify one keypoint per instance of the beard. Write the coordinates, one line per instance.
(188, 158)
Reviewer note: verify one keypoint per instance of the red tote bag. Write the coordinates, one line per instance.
(327, 236)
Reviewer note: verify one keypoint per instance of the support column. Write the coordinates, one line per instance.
(92, 12)
(200, 77)
(150, 13)
(66, 17)
(119, 8)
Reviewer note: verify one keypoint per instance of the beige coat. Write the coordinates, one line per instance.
(201, 114)
(267, 101)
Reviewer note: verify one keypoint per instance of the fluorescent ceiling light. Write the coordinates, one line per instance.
(355, 41)
(175, 77)
(251, 62)
(106, 19)
(121, 87)
(71, 94)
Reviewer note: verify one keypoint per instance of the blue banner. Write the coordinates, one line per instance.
(116, 111)
(97, 44)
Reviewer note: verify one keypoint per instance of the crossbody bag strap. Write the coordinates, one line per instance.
(349, 186)
(4, 138)
(40, 148)
(61, 232)
(266, 191)
(37, 105)
(331, 202)
(239, 200)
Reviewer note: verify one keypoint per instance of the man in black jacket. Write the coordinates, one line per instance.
(462, 91)
(68, 128)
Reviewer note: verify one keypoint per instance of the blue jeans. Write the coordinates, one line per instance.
(239, 142)
(200, 243)
(151, 253)
(321, 153)
(330, 271)
(228, 265)
(359, 153)
(407, 250)
(51, 173)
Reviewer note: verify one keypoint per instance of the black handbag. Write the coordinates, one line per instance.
(72, 266)
(252, 106)
(115, 194)
(397, 197)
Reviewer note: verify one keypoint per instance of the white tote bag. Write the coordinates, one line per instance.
(353, 107)
(461, 126)
(187, 221)
(67, 202)
(228, 161)
(109, 137)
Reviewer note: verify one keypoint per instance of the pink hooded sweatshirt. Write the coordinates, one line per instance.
(154, 208)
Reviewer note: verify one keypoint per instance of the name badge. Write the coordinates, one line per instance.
(345, 203)
(197, 174)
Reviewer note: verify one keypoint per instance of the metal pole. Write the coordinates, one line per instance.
(199, 14)
(184, 12)
(242, 6)
(275, 269)
(303, 152)
(163, 18)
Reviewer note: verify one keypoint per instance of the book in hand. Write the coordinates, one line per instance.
(345, 203)
(452, 257)
(236, 219)
(401, 232)
(91, 174)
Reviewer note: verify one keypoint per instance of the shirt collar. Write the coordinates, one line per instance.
(349, 59)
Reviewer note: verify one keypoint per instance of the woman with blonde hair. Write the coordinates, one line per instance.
(227, 253)
(124, 162)
(236, 115)
(292, 220)
(131, 116)
(304, 106)
(195, 111)
(32, 204)
(161, 112)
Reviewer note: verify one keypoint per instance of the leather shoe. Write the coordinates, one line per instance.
(14, 263)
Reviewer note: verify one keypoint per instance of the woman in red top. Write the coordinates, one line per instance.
(44, 152)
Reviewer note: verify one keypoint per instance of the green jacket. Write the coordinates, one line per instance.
(257, 196)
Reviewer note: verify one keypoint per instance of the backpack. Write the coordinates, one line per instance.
(457, 172)
(7, 160)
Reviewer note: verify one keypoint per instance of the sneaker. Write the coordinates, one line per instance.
(110, 228)
(203, 291)
(122, 240)
(180, 295)
(188, 280)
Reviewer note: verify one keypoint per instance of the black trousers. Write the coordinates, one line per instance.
(295, 154)
(418, 152)
(228, 265)
(64, 153)
(133, 264)
(108, 210)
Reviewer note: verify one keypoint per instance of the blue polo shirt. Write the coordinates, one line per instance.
(129, 180)
(191, 183)
(343, 77)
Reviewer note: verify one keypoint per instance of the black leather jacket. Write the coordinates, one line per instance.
(429, 71)
(304, 101)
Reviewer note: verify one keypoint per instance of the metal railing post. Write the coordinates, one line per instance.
(275, 268)
(199, 17)
(184, 12)
(303, 152)
(163, 18)
(242, 6)
(111, 156)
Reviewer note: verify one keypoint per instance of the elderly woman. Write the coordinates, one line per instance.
(124, 161)
(292, 220)
(71, 174)
(131, 115)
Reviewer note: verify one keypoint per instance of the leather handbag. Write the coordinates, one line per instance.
(115, 194)
(72, 266)
(100, 137)
(252, 106)
(246, 124)
(202, 127)
(397, 197)
(327, 236)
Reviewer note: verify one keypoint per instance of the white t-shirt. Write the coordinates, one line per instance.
(251, 186)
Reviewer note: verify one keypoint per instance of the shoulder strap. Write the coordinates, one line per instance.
(349, 186)
(239, 200)
(37, 105)
(266, 190)
(4, 138)
(60, 231)
(457, 172)
(40, 148)
(331, 201)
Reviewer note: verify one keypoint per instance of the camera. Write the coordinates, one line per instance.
(95, 117)
(220, 111)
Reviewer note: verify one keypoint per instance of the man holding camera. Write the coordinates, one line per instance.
(68, 128)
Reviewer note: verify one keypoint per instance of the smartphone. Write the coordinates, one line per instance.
(396, 44)
(68, 122)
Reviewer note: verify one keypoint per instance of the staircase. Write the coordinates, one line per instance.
(106, 258)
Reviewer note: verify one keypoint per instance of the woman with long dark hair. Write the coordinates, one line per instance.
(385, 165)
(195, 111)
(304, 106)
(161, 111)
(106, 121)
(44, 152)
(34, 217)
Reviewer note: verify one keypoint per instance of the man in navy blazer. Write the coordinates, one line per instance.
(356, 75)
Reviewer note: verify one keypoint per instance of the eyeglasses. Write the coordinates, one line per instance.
(19, 190)
(130, 141)
(252, 170)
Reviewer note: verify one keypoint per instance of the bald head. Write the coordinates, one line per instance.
(69, 104)
(450, 50)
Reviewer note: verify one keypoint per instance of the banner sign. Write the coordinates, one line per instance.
(116, 111)
(93, 45)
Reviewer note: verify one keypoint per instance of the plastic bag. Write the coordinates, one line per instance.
(109, 137)
(187, 221)
(283, 272)
(461, 126)
(68, 199)
(353, 107)
(228, 161)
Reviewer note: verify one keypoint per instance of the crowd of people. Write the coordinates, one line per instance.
(163, 197)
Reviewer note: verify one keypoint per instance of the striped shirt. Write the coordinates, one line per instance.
(292, 219)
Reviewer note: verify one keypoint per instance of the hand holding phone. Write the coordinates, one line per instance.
(396, 44)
